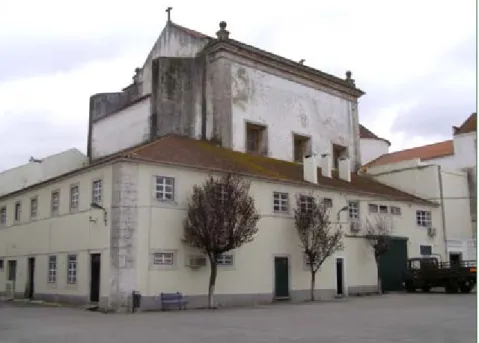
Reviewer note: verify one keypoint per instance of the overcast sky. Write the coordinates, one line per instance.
(416, 60)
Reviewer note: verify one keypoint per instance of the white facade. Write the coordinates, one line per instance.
(372, 148)
(447, 187)
(137, 226)
(124, 129)
(286, 108)
(31, 173)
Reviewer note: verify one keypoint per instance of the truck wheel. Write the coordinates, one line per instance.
(452, 286)
(426, 289)
(410, 287)
(465, 287)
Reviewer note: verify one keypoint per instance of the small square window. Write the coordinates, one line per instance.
(96, 192)
(328, 203)
(383, 209)
(256, 139)
(3, 216)
(353, 210)
(373, 208)
(33, 207)
(225, 260)
(423, 218)
(165, 188)
(280, 202)
(55, 203)
(74, 197)
(18, 211)
(163, 258)
(306, 203)
(425, 250)
(396, 210)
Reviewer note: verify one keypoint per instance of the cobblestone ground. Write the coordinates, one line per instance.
(390, 318)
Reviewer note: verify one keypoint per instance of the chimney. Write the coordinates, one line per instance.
(345, 169)
(326, 165)
(310, 169)
(223, 34)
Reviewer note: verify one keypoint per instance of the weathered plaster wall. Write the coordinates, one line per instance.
(288, 107)
(123, 235)
(372, 149)
(177, 96)
(126, 128)
(172, 42)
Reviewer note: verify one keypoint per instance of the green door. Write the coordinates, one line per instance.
(281, 277)
(392, 265)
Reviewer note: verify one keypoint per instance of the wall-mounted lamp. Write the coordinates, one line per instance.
(344, 208)
(94, 205)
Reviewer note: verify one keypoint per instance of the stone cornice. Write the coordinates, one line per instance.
(284, 66)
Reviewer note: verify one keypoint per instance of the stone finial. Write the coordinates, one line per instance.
(168, 10)
(223, 34)
(349, 79)
(301, 61)
(137, 75)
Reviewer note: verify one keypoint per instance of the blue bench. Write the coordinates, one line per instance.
(172, 300)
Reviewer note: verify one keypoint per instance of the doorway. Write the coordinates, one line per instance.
(340, 276)
(455, 258)
(31, 278)
(281, 277)
(95, 265)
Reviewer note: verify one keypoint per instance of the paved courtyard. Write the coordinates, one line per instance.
(390, 318)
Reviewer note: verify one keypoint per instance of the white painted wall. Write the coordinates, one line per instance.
(287, 107)
(465, 150)
(69, 232)
(121, 130)
(372, 149)
(28, 174)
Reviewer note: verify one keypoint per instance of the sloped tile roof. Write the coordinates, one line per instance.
(425, 152)
(469, 125)
(364, 132)
(189, 152)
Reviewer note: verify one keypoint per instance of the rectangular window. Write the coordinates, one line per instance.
(338, 152)
(280, 202)
(256, 139)
(353, 210)
(373, 208)
(423, 218)
(71, 269)
(96, 192)
(33, 207)
(328, 203)
(225, 260)
(1, 264)
(74, 197)
(163, 258)
(52, 269)
(383, 209)
(3, 216)
(222, 192)
(396, 210)
(306, 203)
(301, 147)
(165, 188)
(425, 250)
(18, 211)
(55, 205)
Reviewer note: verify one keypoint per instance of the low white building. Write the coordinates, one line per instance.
(55, 246)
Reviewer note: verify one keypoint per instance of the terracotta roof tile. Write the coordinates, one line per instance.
(470, 125)
(425, 152)
(364, 132)
(204, 155)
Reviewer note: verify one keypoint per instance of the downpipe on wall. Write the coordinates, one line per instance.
(443, 212)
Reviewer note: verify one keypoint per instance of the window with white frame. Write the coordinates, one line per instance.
(96, 192)
(163, 258)
(18, 211)
(55, 203)
(306, 203)
(71, 269)
(52, 269)
(3, 215)
(165, 188)
(395, 210)
(373, 208)
(353, 209)
(280, 202)
(383, 209)
(74, 197)
(423, 218)
(225, 260)
(222, 192)
(328, 202)
(33, 207)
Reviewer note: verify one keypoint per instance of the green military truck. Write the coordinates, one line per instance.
(428, 272)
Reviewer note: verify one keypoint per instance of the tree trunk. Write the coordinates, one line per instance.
(380, 287)
(313, 282)
(211, 287)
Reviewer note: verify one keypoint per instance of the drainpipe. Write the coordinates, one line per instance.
(443, 212)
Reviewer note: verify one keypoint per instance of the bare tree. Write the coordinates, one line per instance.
(221, 217)
(318, 240)
(378, 233)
